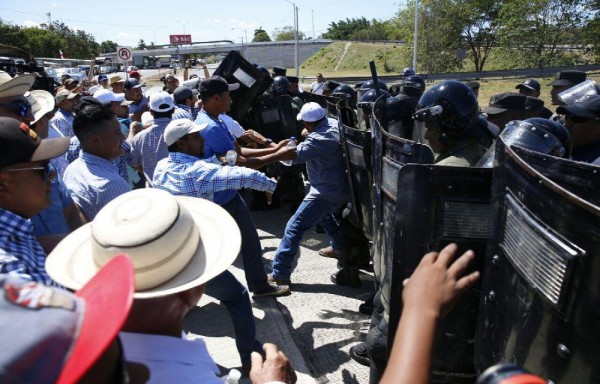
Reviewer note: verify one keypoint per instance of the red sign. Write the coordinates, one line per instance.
(180, 39)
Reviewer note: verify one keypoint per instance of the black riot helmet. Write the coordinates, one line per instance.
(344, 91)
(413, 86)
(450, 105)
(406, 72)
(398, 115)
(371, 97)
(263, 69)
(370, 85)
(536, 134)
(281, 86)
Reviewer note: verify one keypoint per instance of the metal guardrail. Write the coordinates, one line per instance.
(500, 74)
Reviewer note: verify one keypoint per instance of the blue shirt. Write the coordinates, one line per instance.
(52, 221)
(182, 174)
(141, 106)
(62, 122)
(322, 153)
(20, 253)
(182, 112)
(217, 138)
(149, 146)
(120, 162)
(93, 182)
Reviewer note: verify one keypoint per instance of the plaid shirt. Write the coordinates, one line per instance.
(149, 146)
(182, 174)
(182, 112)
(120, 162)
(93, 183)
(20, 253)
(62, 121)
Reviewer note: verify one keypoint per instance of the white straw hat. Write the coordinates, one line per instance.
(175, 243)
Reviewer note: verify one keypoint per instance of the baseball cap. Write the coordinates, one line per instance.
(64, 94)
(20, 144)
(174, 242)
(14, 86)
(116, 79)
(132, 83)
(278, 71)
(529, 84)
(41, 102)
(293, 79)
(503, 102)
(134, 73)
(181, 93)
(570, 77)
(105, 96)
(473, 84)
(71, 81)
(55, 335)
(215, 85)
(586, 106)
(102, 77)
(533, 103)
(178, 128)
(311, 112)
(161, 102)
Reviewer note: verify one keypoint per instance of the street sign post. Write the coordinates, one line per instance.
(124, 54)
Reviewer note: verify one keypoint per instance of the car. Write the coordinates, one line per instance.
(51, 72)
(105, 70)
(75, 73)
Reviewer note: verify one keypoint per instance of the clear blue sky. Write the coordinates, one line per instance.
(126, 22)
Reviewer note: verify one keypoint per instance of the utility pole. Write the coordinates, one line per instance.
(416, 35)
(49, 18)
(312, 16)
(295, 38)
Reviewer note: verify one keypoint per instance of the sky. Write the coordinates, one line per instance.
(126, 22)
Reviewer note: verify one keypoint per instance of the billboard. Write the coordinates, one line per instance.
(180, 39)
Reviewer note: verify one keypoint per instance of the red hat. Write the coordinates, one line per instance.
(134, 74)
(57, 336)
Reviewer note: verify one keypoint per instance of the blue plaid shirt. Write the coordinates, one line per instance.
(120, 162)
(182, 112)
(20, 253)
(182, 174)
(93, 183)
(62, 121)
(149, 146)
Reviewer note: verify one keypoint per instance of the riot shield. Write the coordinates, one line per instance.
(275, 118)
(390, 154)
(331, 104)
(435, 206)
(581, 179)
(253, 83)
(357, 149)
(540, 295)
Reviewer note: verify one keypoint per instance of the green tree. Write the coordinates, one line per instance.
(286, 33)
(344, 29)
(141, 44)
(108, 46)
(480, 25)
(542, 29)
(260, 35)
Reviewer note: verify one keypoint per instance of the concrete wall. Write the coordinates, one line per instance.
(281, 53)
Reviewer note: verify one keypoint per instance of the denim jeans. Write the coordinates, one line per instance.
(256, 277)
(308, 214)
(227, 289)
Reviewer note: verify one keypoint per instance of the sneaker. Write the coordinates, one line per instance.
(329, 252)
(275, 280)
(344, 277)
(272, 289)
(358, 353)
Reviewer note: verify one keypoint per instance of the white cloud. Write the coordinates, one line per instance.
(55, 5)
(127, 39)
(30, 24)
(214, 21)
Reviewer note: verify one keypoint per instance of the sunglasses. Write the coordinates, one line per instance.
(47, 171)
(21, 107)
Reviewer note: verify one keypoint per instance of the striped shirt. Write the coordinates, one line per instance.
(120, 162)
(186, 175)
(20, 253)
(93, 182)
(182, 112)
(149, 146)
(62, 121)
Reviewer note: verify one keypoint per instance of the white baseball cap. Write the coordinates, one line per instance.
(311, 112)
(105, 96)
(161, 102)
(178, 128)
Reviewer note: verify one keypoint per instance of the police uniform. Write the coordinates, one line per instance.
(460, 153)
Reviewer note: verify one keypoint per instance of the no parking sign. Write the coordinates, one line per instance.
(124, 53)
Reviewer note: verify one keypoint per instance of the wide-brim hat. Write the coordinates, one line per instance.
(42, 102)
(175, 243)
(14, 86)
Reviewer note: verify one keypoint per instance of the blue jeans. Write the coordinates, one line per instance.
(227, 289)
(308, 213)
(256, 277)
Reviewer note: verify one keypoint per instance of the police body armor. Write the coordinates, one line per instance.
(434, 206)
(390, 154)
(540, 294)
(253, 83)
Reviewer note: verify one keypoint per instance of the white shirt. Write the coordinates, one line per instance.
(232, 125)
(317, 88)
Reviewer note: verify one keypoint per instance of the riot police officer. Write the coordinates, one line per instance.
(406, 72)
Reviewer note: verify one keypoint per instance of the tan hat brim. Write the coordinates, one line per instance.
(71, 262)
(17, 86)
(51, 148)
(46, 104)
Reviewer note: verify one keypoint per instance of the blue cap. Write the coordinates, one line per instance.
(132, 83)
(102, 77)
